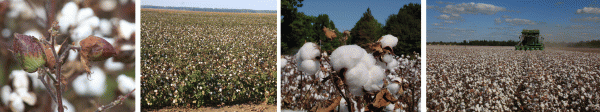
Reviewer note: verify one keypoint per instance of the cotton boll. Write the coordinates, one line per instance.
(26, 96)
(356, 78)
(309, 67)
(80, 33)
(387, 58)
(72, 55)
(16, 104)
(388, 40)
(108, 5)
(308, 51)
(393, 88)
(111, 65)
(35, 81)
(346, 56)
(83, 14)
(127, 47)
(343, 106)
(105, 27)
(6, 32)
(393, 65)
(126, 29)
(126, 84)
(5, 92)
(111, 41)
(68, 16)
(91, 22)
(35, 33)
(282, 62)
(389, 108)
(376, 76)
(20, 79)
(80, 85)
(97, 82)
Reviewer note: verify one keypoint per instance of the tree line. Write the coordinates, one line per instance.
(298, 28)
(478, 43)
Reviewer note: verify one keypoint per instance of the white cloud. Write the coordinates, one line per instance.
(471, 8)
(449, 22)
(588, 10)
(449, 17)
(515, 21)
(505, 16)
(591, 19)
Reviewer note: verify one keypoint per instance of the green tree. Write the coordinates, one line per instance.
(323, 21)
(289, 13)
(366, 30)
(406, 25)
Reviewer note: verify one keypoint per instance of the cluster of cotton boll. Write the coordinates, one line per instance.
(364, 74)
(19, 95)
(306, 58)
(485, 78)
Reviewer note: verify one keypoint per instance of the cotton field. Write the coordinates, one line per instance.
(197, 59)
(483, 78)
(306, 78)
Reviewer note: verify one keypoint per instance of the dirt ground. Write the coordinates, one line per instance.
(230, 108)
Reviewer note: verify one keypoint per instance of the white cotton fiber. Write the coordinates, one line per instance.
(368, 60)
(68, 106)
(346, 56)
(83, 14)
(27, 97)
(68, 16)
(343, 106)
(308, 51)
(20, 79)
(126, 84)
(393, 88)
(309, 67)
(387, 58)
(376, 76)
(389, 108)
(5, 92)
(126, 29)
(112, 65)
(95, 86)
(388, 40)
(356, 78)
(35, 33)
(393, 65)
(16, 104)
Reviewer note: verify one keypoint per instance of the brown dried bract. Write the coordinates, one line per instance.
(329, 33)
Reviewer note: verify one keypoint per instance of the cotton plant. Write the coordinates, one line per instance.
(46, 62)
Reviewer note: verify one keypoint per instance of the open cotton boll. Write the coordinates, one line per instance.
(80, 32)
(112, 65)
(68, 106)
(16, 104)
(388, 40)
(36, 83)
(393, 65)
(393, 89)
(6, 33)
(309, 67)
(68, 16)
(72, 55)
(356, 78)
(126, 29)
(343, 106)
(105, 27)
(387, 58)
(5, 92)
(376, 76)
(95, 86)
(93, 22)
(20, 79)
(97, 82)
(26, 96)
(346, 56)
(34, 33)
(308, 51)
(389, 108)
(108, 5)
(126, 84)
(83, 14)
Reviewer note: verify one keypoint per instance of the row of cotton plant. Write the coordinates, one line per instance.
(485, 78)
(201, 59)
(353, 73)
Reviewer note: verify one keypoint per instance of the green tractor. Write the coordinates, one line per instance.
(530, 40)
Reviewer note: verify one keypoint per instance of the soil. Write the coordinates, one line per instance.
(228, 108)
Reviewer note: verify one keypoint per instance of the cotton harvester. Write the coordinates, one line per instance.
(530, 40)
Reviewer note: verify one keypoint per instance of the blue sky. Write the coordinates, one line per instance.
(345, 13)
(557, 20)
(231, 4)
